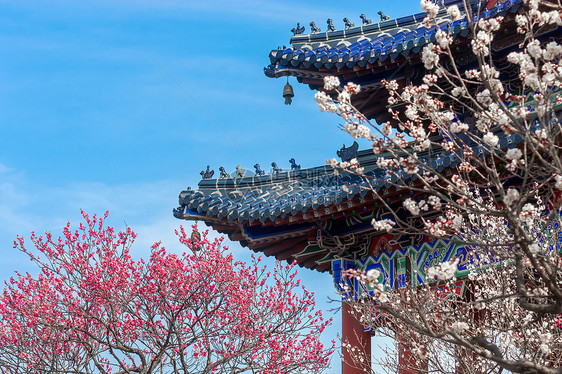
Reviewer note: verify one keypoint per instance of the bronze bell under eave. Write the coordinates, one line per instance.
(288, 93)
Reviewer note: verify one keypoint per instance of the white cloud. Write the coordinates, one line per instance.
(4, 169)
(27, 205)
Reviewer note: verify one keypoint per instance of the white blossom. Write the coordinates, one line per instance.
(491, 139)
(459, 326)
(481, 42)
(552, 50)
(411, 206)
(332, 162)
(541, 134)
(373, 275)
(513, 154)
(457, 91)
(456, 222)
(472, 74)
(529, 212)
(344, 96)
(411, 112)
(454, 12)
(445, 271)
(511, 196)
(386, 163)
(430, 8)
(534, 248)
(429, 57)
(352, 87)
(443, 39)
(484, 97)
(363, 131)
(435, 201)
(448, 116)
(382, 225)
(331, 83)
(357, 131)
(534, 49)
(558, 179)
(392, 85)
(386, 129)
(458, 127)
(324, 102)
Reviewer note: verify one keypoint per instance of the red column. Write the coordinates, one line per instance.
(491, 4)
(355, 335)
(409, 363)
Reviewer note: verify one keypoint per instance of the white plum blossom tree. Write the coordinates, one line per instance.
(502, 199)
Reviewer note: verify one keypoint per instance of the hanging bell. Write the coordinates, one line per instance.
(288, 94)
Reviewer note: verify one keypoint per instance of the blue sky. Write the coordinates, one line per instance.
(90, 120)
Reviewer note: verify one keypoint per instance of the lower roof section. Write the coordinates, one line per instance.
(312, 215)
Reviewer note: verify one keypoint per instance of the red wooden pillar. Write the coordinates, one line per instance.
(408, 363)
(491, 4)
(354, 334)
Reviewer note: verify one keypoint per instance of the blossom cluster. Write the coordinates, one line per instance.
(496, 128)
(199, 310)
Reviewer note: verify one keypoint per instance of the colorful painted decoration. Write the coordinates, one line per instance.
(404, 266)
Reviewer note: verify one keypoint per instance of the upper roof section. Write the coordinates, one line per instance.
(312, 55)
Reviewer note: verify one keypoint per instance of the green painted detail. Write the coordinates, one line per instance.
(328, 258)
(309, 250)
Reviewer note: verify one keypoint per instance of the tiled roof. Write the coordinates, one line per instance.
(310, 54)
(285, 195)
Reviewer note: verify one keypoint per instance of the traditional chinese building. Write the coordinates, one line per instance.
(322, 218)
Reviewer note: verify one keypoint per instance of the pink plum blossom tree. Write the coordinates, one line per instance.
(499, 121)
(94, 309)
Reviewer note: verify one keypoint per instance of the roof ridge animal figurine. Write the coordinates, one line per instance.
(313, 28)
(207, 174)
(383, 16)
(330, 23)
(294, 165)
(297, 30)
(348, 153)
(259, 171)
(365, 20)
(239, 172)
(276, 169)
(348, 24)
(224, 174)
